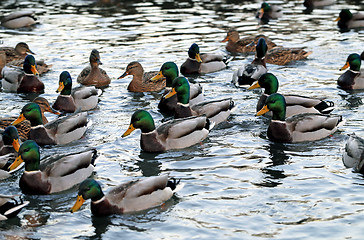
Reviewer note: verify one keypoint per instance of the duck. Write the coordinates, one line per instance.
(141, 81)
(295, 104)
(283, 55)
(202, 63)
(62, 130)
(93, 75)
(298, 128)
(169, 70)
(216, 110)
(312, 4)
(19, 19)
(173, 134)
(22, 81)
(268, 12)
(354, 77)
(129, 197)
(235, 44)
(10, 141)
(348, 20)
(354, 153)
(56, 175)
(83, 97)
(249, 73)
(10, 206)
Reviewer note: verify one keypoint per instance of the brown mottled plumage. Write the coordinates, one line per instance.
(283, 55)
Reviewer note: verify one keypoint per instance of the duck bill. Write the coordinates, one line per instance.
(261, 13)
(171, 93)
(198, 57)
(124, 75)
(345, 66)
(61, 87)
(30, 51)
(16, 145)
(225, 39)
(18, 120)
(263, 110)
(99, 62)
(78, 204)
(254, 86)
(337, 19)
(16, 163)
(157, 77)
(34, 70)
(51, 110)
(130, 130)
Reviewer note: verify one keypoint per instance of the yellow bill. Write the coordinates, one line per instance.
(18, 120)
(171, 93)
(61, 87)
(130, 130)
(16, 163)
(347, 64)
(78, 204)
(16, 145)
(263, 110)
(254, 86)
(198, 57)
(34, 70)
(158, 76)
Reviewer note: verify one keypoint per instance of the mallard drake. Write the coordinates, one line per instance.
(59, 175)
(268, 12)
(354, 153)
(348, 20)
(15, 80)
(202, 63)
(250, 73)
(173, 134)
(10, 206)
(93, 75)
(141, 81)
(84, 97)
(169, 70)
(216, 110)
(282, 55)
(312, 4)
(59, 131)
(354, 77)
(10, 141)
(295, 104)
(19, 19)
(129, 197)
(244, 45)
(298, 128)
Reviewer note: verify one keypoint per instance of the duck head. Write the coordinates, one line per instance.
(29, 65)
(29, 154)
(22, 48)
(140, 119)
(31, 112)
(89, 189)
(169, 70)
(268, 81)
(11, 137)
(277, 104)
(65, 83)
(181, 87)
(194, 52)
(353, 61)
(95, 58)
(261, 48)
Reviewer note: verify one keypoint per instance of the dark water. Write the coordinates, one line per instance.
(238, 184)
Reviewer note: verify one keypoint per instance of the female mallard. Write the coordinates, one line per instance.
(295, 104)
(15, 80)
(19, 19)
(141, 81)
(298, 128)
(202, 63)
(84, 97)
(10, 206)
(129, 197)
(174, 134)
(244, 45)
(169, 70)
(250, 73)
(354, 77)
(59, 175)
(268, 12)
(93, 75)
(354, 153)
(60, 131)
(312, 4)
(216, 110)
(282, 55)
(348, 20)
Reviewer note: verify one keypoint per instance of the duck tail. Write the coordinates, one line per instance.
(325, 107)
(227, 59)
(94, 156)
(209, 124)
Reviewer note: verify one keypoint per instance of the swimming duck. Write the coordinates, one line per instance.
(10, 206)
(283, 55)
(129, 197)
(250, 73)
(141, 81)
(244, 45)
(59, 131)
(84, 97)
(10, 141)
(298, 128)
(295, 104)
(202, 63)
(268, 12)
(354, 77)
(59, 175)
(311, 4)
(174, 134)
(354, 153)
(347, 20)
(216, 110)
(93, 75)
(19, 19)
(169, 70)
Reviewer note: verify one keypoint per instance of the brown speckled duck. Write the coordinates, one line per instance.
(284, 55)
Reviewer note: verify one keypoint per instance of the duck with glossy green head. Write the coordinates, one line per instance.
(61, 174)
(295, 104)
(60, 131)
(216, 110)
(354, 77)
(10, 206)
(129, 197)
(268, 11)
(93, 75)
(10, 141)
(19, 19)
(202, 63)
(348, 20)
(353, 155)
(141, 81)
(298, 128)
(174, 134)
(169, 70)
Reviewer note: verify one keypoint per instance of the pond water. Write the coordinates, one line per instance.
(238, 184)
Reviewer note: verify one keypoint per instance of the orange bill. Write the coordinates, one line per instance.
(130, 130)
(263, 110)
(16, 163)
(18, 120)
(254, 86)
(61, 87)
(347, 64)
(225, 39)
(198, 57)
(34, 70)
(158, 76)
(78, 204)
(16, 145)
(171, 93)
